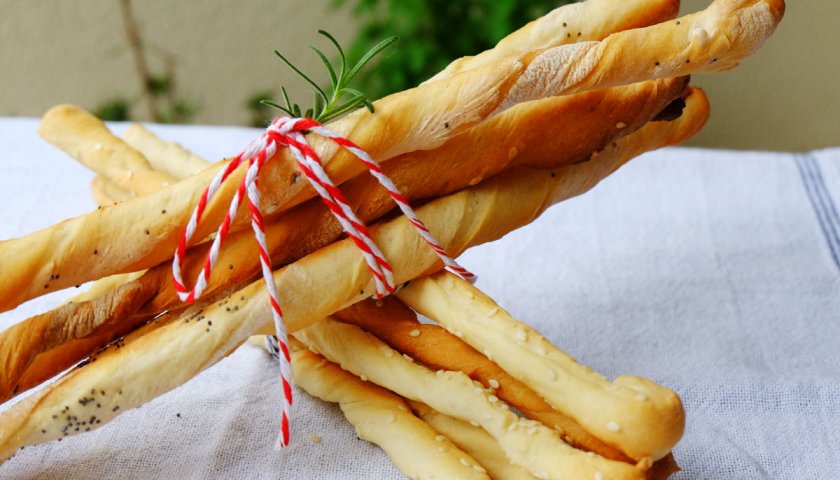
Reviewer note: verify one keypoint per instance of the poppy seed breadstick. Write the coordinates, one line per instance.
(576, 22)
(712, 40)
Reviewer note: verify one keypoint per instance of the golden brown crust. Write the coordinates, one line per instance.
(633, 414)
(473, 440)
(531, 445)
(85, 138)
(418, 119)
(577, 22)
(166, 353)
(383, 418)
(535, 134)
(395, 324)
(712, 40)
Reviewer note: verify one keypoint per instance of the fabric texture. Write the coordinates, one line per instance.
(715, 273)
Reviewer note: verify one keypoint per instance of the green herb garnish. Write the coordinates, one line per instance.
(338, 99)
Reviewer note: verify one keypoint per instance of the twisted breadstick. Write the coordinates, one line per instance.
(395, 324)
(383, 418)
(537, 134)
(634, 414)
(170, 350)
(421, 118)
(576, 22)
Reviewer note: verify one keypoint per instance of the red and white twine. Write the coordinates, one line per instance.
(288, 132)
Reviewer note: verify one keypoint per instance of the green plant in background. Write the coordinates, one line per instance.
(434, 33)
(162, 100)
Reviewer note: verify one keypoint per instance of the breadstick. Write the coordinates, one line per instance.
(526, 443)
(536, 134)
(166, 353)
(85, 138)
(106, 193)
(713, 40)
(484, 448)
(167, 157)
(395, 324)
(576, 22)
(473, 440)
(422, 118)
(383, 418)
(632, 413)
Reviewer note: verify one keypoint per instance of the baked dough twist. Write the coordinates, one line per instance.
(422, 118)
(172, 349)
(536, 134)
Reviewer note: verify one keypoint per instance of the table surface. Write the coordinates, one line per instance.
(715, 273)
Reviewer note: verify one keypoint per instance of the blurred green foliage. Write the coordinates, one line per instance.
(432, 34)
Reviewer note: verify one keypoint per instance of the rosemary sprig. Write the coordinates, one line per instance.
(338, 99)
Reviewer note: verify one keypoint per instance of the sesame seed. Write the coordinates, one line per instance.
(599, 476)
(465, 462)
(440, 438)
(415, 333)
(620, 125)
(613, 427)
(493, 383)
(315, 438)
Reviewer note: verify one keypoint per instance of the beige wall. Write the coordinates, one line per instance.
(60, 51)
(785, 98)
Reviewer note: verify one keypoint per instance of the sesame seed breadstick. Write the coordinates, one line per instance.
(383, 418)
(535, 134)
(167, 157)
(395, 324)
(634, 414)
(166, 353)
(473, 440)
(133, 236)
(85, 138)
(576, 22)
(529, 444)
(486, 450)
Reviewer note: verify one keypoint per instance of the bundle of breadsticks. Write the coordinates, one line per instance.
(481, 149)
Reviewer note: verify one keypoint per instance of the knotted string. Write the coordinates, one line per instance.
(289, 132)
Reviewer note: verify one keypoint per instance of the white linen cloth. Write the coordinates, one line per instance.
(715, 273)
